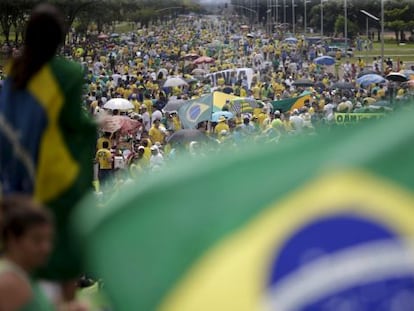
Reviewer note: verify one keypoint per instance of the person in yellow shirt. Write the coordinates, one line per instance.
(243, 92)
(101, 140)
(155, 133)
(361, 64)
(338, 55)
(400, 92)
(105, 160)
(176, 122)
(146, 144)
(380, 93)
(261, 117)
(148, 103)
(221, 126)
(135, 102)
(256, 90)
(127, 92)
(137, 163)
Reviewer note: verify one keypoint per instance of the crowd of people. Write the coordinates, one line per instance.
(135, 66)
(146, 136)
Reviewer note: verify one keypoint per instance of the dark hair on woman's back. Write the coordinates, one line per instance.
(18, 214)
(45, 32)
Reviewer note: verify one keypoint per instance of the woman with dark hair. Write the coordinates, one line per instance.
(26, 238)
(47, 141)
(45, 33)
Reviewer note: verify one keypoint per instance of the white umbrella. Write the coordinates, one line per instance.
(173, 82)
(163, 72)
(118, 104)
(199, 72)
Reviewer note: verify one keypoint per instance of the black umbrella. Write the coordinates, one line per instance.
(366, 72)
(397, 77)
(342, 86)
(187, 136)
(174, 105)
(320, 85)
(303, 82)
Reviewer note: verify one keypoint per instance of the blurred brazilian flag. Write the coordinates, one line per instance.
(320, 222)
(47, 150)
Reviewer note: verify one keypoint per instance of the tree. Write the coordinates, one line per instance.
(340, 26)
(14, 13)
(395, 17)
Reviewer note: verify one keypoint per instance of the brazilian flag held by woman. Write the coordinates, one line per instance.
(46, 140)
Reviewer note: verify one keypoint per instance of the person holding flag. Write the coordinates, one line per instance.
(47, 142)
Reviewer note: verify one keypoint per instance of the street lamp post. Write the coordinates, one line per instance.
(346, 24)
(269, 27)
(382, 36)
(277, 11)
(321, 18)
(284, 11)
(306, 17)
(322, 1)
(293, 17)
(368, 16)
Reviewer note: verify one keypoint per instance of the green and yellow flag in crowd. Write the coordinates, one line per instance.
(289, 104)
(47, 149)
(313, 223)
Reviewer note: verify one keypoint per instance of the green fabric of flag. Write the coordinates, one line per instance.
(196, 111)
(252, 229)
(288, 104)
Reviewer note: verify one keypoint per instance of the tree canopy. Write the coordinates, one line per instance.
(14, 13)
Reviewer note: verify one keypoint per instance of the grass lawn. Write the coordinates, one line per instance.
(123, 27)
(404, 52)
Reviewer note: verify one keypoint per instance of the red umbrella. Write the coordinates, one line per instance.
(204, 60)
(103, 36)
(123, 124)
(191, 56)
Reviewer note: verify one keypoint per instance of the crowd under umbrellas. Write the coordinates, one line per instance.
(140, 83)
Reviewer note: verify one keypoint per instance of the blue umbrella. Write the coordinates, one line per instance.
(324, 60)
(370, 79)
(216, 116)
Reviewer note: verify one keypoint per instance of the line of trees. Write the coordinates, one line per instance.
(82, 13)
(399, 15)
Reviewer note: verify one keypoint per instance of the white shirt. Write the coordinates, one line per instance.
(297, 123)
(156, 160)
(146, 120)
(347, 67)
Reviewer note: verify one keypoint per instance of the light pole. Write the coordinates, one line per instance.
(269, 12)
(321, 18)
(306, 17)
(346, 24)
(322, 1)
(284, 11)
(368, 16)
(293, 17)
(382, 36)
(277, 11)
